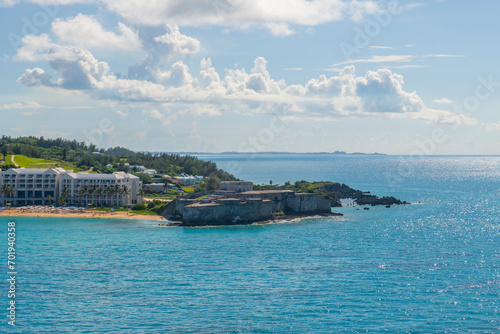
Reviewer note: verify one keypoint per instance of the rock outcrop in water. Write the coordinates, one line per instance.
(334, 192)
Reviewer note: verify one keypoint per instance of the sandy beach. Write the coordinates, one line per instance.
(15, 212)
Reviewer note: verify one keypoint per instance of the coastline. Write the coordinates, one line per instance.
(95, 215)
(274, 220)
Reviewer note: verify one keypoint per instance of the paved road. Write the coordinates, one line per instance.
(13, 162)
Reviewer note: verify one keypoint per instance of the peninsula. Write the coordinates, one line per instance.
(237, 202)
(56, 177)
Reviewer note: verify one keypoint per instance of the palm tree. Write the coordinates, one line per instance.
(92, 192)
(107, 193)
(6, 191)
(116, 191)
(79, 195)
(64, 195)
(140, 193)
(48, 198)
(99, 191)
(85, 192)
(125, 191)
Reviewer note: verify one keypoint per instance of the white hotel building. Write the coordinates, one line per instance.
(118, 188)
(46, 186)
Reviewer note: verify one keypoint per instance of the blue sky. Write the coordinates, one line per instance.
(399, 77)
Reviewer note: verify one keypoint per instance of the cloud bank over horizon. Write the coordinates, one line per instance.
(378, 93)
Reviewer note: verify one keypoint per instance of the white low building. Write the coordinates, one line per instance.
(157, 187)
(236, 186)
(151, 171)
(137, 168)
(187, 180)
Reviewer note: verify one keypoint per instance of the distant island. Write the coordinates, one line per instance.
(356, 153)
(270, 152)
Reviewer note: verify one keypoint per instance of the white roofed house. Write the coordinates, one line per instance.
(151, 171)
(32, 186)
(137, 168)
(187, 180)
(117, 189)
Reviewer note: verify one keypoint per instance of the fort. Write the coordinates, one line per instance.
(240, 205)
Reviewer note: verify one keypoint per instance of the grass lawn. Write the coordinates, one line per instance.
(145, 212)
(189, 189)
(160, 196)
(24, 161)
(107, 209)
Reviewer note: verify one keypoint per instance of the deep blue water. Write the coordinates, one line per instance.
(427, 267)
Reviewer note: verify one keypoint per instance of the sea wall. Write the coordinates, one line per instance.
(225, 212)
(289, 201)
(175, 209)
(305, 203)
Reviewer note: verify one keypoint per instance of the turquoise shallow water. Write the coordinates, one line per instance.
(428, 267)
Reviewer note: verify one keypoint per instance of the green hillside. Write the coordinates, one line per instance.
(24, 161)
(34, 152)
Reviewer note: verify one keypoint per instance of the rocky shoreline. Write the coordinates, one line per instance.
(275, 219)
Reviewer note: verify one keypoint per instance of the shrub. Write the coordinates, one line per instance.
(159, 208)
(154, 203)
(139, 206)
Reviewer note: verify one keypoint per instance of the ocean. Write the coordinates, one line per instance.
(429, 267)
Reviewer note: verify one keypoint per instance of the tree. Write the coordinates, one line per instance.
(125, 191)
(79, 195)
(271, 182)
(140, 193)
(49, 199)
(3, 150)
(92, 191)
(63, 197)
(99, 192)
(85, 192)
(212, 182)
(116, 192)
(109, 195)
(6, 191)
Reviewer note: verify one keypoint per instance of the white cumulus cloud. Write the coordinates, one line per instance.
(86, 32)
(275, 15)
(178, 43)
(443, 101)
(378, 93)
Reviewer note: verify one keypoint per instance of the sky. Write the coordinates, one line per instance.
(396, 77)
